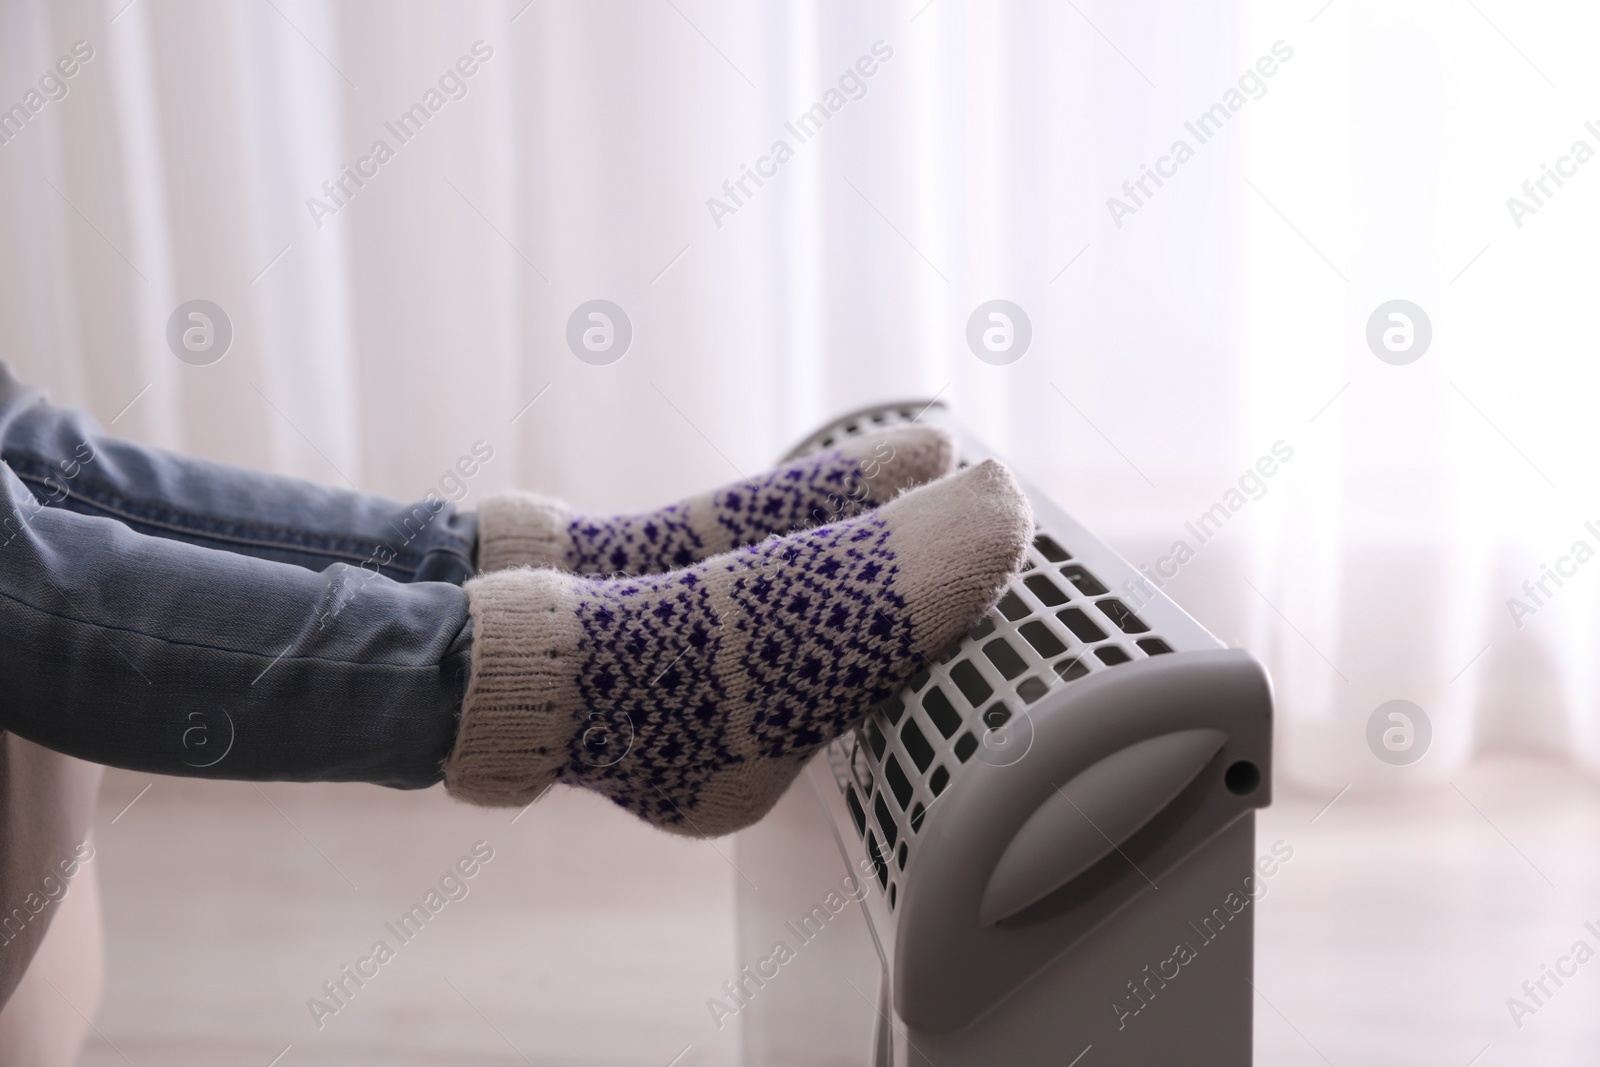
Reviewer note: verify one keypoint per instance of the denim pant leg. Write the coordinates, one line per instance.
(65, 458)
(261, 636)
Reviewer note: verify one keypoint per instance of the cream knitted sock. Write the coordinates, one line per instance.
(863, 472)
(694, 698)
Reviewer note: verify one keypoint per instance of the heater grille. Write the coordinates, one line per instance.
(866, 422)
(1055, 624)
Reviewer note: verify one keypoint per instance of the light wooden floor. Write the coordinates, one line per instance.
(1394, 936)
(1399, 930)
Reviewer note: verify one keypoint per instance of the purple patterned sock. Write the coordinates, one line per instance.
(863, 472)
(693, 698)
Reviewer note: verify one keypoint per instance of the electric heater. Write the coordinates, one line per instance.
(1041, 851)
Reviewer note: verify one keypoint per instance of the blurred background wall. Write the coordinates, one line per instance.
(1176, 338)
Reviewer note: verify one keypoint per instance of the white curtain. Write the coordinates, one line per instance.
(1340, 155)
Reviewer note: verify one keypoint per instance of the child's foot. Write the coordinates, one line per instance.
(523, 528)
(693, 698)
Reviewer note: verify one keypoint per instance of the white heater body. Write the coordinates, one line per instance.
(1041, 851)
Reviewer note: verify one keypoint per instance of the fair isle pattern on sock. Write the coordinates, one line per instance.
(812, 634)
(837, 593)
(810, 492)
(864, 472)
(648, 656)
(819, 489)
(694, 698)
(633, 544)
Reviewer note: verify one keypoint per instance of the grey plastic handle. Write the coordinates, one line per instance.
(1094, 813)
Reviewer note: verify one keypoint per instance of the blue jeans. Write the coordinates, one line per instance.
(176, 616)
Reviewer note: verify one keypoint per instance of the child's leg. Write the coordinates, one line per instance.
(67, 461)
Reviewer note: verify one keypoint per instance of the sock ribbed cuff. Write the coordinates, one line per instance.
(517, 529)
(517, 719)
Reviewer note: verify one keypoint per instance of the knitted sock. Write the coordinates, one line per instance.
(863, 472)
(694, 698)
